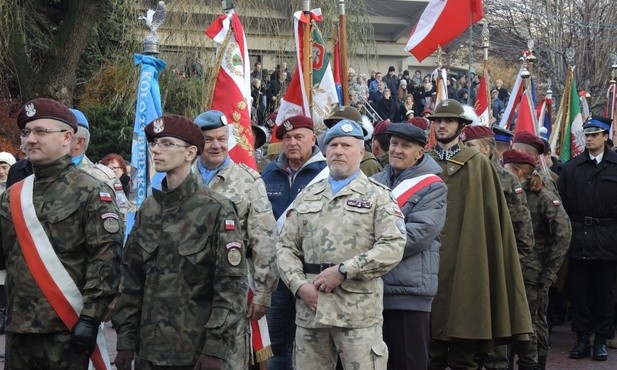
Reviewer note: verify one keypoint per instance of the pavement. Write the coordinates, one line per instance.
(562, 341)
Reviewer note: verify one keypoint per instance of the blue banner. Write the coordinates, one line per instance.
(147, 109)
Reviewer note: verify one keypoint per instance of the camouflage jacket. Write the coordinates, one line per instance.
(245, 188)
(83, 225)
(552, 230)
(521, 221)
(106, 175)
(362, 227)
(184, 283)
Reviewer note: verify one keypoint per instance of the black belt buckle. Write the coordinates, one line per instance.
(589, 221)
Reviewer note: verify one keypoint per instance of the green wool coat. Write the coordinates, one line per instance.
(481, 294)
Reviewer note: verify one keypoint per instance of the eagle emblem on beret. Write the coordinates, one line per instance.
(158, 126)
(224, 120)
(30, 110)
(288, 126)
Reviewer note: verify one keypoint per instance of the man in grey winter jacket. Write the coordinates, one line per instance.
(410, 287)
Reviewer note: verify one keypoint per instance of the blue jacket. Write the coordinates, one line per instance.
(282, 186)
(413, 283)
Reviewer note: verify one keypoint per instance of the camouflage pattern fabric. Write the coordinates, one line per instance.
(42, 351)
(362, 227)
(84, 227)
(184, 282)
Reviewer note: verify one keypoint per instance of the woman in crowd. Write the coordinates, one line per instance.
(117, 164)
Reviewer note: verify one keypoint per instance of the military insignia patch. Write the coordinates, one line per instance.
(288, 126)
(105, 197)
(519, 190)
(347, 127)
(111, 225)
(231, 245)
(230, 225)
(556, 203)
(158, 126)
(234, 257)
(30, 110)
(401, 226)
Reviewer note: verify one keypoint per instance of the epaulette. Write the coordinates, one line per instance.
(385, 187)
(256, 175)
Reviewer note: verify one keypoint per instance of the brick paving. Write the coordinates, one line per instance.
(561, 343)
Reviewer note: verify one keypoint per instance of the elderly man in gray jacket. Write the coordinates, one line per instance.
(410, 287)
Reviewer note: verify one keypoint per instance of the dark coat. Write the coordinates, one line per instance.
(481, 294)
(590, 190)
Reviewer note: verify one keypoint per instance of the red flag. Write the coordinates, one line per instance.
(482, 103)
(526, 119)
(232, 91)
(441, 22)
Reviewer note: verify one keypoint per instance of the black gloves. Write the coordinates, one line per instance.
(83, 335)
(123, 360)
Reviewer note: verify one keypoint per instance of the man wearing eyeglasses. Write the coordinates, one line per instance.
(184, 282)
(61, 240)
(245, 188)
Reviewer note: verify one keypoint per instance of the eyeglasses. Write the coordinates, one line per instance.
(38, 132)
(114, 168)
(165, 145)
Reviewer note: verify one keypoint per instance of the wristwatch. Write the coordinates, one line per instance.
(343, 270)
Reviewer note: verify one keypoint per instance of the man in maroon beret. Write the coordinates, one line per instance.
(183, 269)
(300, 163)
(533, 145)
(61, 242)
(380, 142)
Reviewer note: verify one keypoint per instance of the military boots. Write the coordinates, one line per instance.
(600, 348)
(582, 348)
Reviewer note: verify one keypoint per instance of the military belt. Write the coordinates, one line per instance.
(316, 268)
(591, 221)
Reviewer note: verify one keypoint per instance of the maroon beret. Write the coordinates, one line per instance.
(514, 156)
(528, 138)
(293, 123)
(172, 125)
(419, 122)
(474, 132)
(381, 127)
(271, 119)
(45, 108)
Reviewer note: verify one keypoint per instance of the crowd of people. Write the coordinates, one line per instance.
(359, 247)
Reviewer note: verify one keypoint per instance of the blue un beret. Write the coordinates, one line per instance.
(211, 120)
(596, 124)
(345, 127)
(81, 119)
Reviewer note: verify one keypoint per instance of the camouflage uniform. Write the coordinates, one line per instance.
(553, 232)
(106, 175)
(245, 188)
(523, 232)
(184, 281)
(362, 227)
(84, 228)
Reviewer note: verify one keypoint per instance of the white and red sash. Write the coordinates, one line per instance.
(403, 191)
(47, 269)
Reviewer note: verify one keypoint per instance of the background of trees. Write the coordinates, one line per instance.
(81, 52)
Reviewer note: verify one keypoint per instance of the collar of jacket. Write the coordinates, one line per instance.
(609, 156)
(357, 185)
(52, 169)
(177, 195)
(316, 156)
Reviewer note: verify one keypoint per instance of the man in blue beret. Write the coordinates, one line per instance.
(588, 188)
(335, 267)
(410, 287)
(245, 188)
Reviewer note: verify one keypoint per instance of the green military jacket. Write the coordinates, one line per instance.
(184, 283)
(83, 225)
(245, 188)
(362, 227)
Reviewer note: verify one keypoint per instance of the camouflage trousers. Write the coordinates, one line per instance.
(240, 359)
(49, 351)
(359, 349)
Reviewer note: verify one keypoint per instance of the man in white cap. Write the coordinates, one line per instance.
(6, 161)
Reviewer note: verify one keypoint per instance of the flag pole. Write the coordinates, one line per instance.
(343, 51)
(485, 45)
(307, 67)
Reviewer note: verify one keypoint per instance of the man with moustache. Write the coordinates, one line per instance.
(335, 269)
(481, 297)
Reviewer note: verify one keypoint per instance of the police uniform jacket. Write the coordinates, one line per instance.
(83, 225)
(184, 283)
(589, 194)
(245, 188)
(412, 284)
(283, 186)
(362, 227)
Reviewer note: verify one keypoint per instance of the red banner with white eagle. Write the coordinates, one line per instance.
(232, 90)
